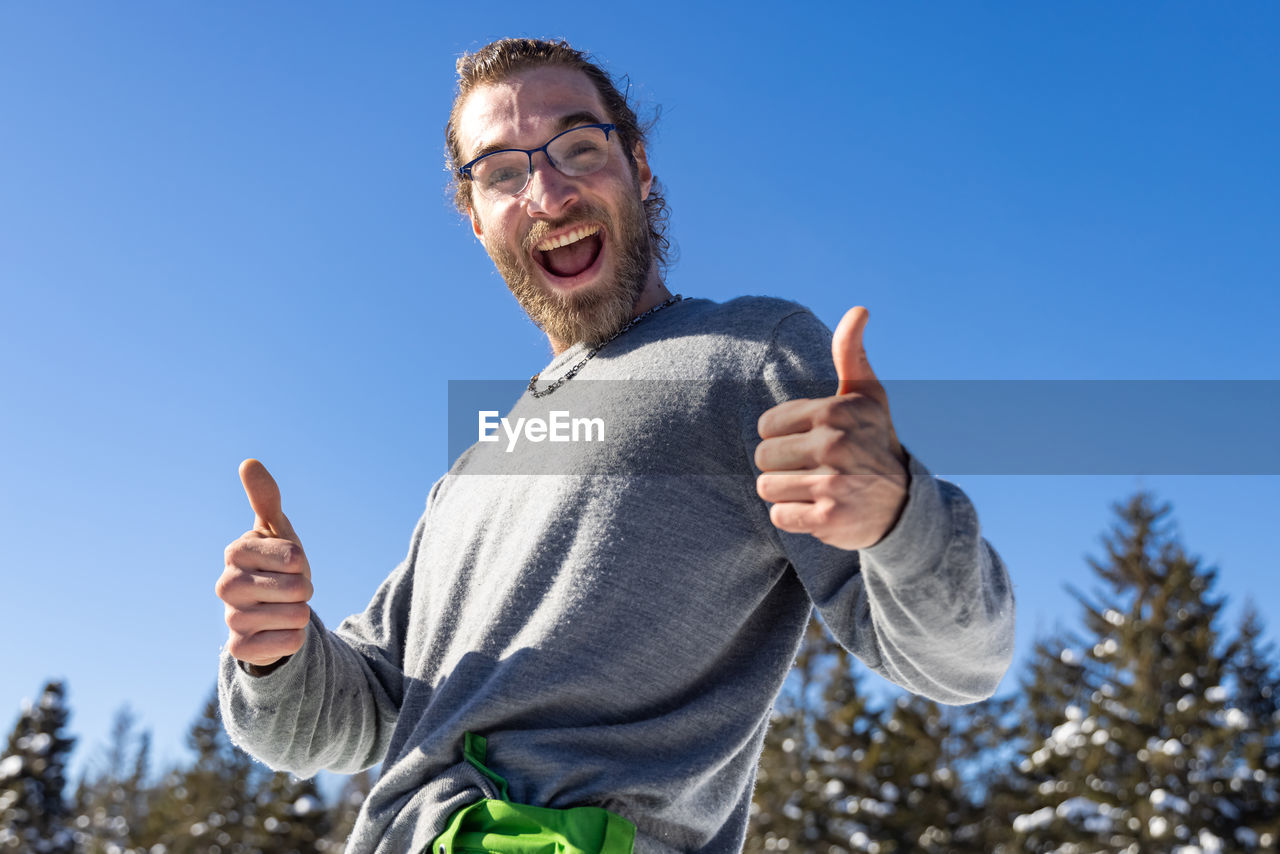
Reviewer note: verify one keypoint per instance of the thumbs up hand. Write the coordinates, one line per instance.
(267, 581)
(833, 467)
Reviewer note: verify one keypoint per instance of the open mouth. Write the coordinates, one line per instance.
(570, 254)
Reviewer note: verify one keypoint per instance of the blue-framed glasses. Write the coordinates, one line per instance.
(575, 152)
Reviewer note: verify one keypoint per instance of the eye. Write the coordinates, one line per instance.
(504, 175)
(583, 147)
(580, 151)
(501, 173)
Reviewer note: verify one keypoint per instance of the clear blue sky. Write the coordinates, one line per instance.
(224, 233)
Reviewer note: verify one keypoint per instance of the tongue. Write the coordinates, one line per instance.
(572, 259)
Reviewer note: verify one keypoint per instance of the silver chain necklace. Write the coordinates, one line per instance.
(572, 372)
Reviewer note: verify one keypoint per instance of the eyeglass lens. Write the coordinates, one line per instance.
(576, 152)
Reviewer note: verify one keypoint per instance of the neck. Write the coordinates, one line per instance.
(654, 293)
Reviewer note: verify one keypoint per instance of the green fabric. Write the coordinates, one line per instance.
(474, 749)
(502, 827)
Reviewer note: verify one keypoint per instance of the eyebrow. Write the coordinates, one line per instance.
(564, 123)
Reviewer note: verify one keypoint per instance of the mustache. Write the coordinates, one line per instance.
(542, 229)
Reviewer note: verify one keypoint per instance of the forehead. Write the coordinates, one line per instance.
(522, 110)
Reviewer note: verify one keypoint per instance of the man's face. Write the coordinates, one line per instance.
(585, 289)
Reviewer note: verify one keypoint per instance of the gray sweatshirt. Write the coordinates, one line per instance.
(616, 614)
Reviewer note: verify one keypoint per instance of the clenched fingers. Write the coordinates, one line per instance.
(822, 448)
(776, 486)
(262, 569)
(244, 587)
(255, 551)
(265, 648)
(267, 616)
(793, 416)
(810, 487)
(848, 511)
(850, 413)
(801, 517)
(266, 632)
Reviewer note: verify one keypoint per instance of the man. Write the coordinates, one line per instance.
(591, 655)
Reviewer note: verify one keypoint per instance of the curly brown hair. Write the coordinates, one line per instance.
(499, 60)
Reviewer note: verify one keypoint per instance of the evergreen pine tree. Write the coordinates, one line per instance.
(138, 795)
(1253, 783)
(809, 787)
(33, 811)
(1055, 681)
(291, 816)
(838, 776)
(211, 802)
(776, 817)
(914, 795)
(1128, 766)
(844, 727)
(111, 805)
(782, 816)
(354, 792)
(983, 743)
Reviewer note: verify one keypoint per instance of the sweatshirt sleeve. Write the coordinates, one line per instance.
(930, 607)
(334, 704)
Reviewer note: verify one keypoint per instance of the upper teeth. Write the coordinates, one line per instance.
(568, 237)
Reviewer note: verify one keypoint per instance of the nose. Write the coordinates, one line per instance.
(550, 192)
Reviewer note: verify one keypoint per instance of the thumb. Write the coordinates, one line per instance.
(264, 498)
(847, 351)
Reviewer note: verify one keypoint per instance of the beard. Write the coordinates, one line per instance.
(592, 314)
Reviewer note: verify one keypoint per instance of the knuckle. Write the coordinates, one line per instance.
(254, 649)
(305, 589)
(845, 458)
(848, 412)
(238, 550)
(831, 445)
(241, 622)
(226, 585)
(237, 646)
(824, 511)
(281, 587)
(298, 615)
(831, 410)
(845, 486)
(281, 643)
(273, 581)
(292, 588)
(821, 486)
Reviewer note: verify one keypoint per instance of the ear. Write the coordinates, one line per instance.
(644, 175)
(475, 224)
